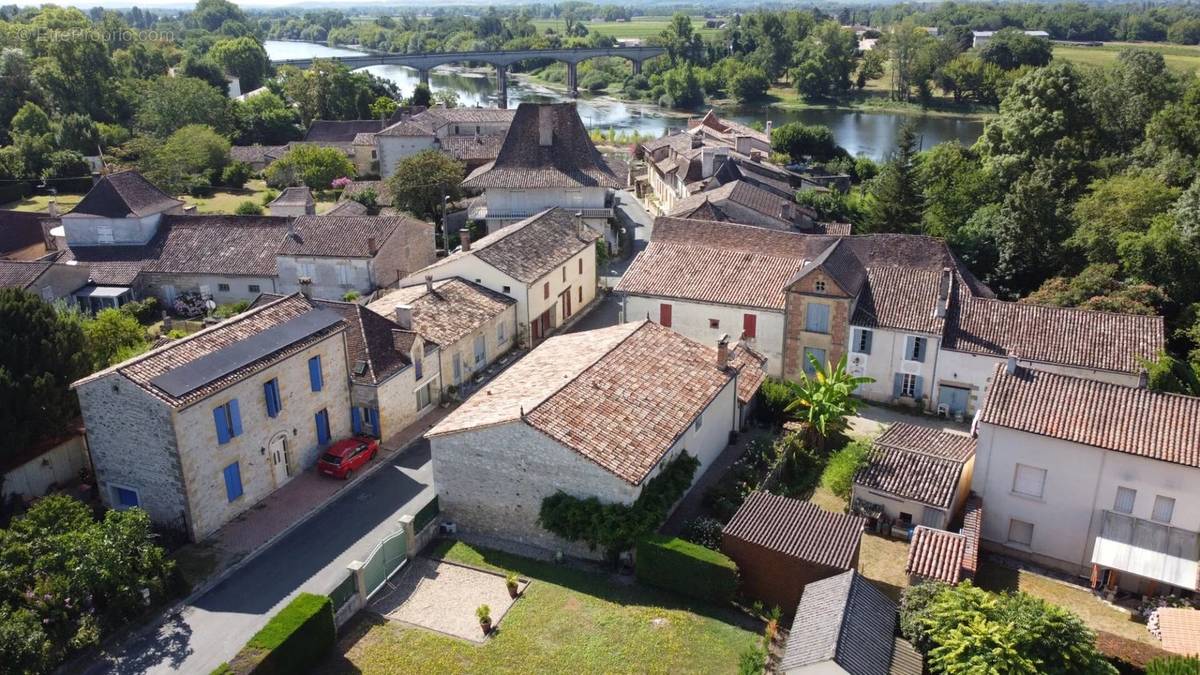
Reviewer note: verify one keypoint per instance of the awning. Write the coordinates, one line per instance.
(1148, 549)
(101, 291)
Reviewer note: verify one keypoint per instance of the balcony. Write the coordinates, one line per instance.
(1147, 549)
(512, 215)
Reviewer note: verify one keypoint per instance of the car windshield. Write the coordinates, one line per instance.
(331, 459)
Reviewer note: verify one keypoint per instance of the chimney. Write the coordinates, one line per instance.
(723, 352)
(464, 238)
(1143, 380)
(306, 287)
(545, 126)
(371, 245)
(945, 289)
(52, 208)
(581, 228)
(404, 316)
(428, 283)
(1010, 366)
(768, 131)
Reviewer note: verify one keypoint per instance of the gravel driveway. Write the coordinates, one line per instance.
(443, 596)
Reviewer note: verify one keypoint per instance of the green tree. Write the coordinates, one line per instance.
(1114, 206)
(801, 141)
(243, 57)
(16, 72)
(1100, 286)
(41, 354)
(1127, 94)
(905, 43)
(112, 336)
(66, 164)
(383, 107)
(421, 96)
(825, 61)
(1184, 32)
(748, 84)
(825, 399)
(1169, 374)
(310, 165)
(896, 196)
(77, 133)
(953, 186)
(422, 180)
(192, 155)
(266, 119)
(30, 120)
(838, 476)
(171, 103)
(870, 67)
(681, 87)
(248, 208)
(1011, 48)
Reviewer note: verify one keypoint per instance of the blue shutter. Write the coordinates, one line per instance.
(918, 389)
(356, 419)
(322, 420)
(373, 419)
(271, 393)
(233, 481)
(314, 373)
(898, 386)
(222, 422)
(869, 335)
(235, 416)
(908, 347)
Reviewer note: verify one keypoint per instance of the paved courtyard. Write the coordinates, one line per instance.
(443, 596)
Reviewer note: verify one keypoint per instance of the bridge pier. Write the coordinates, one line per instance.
(502, 86)
(637, 67)
(423, 75)
(573, 79)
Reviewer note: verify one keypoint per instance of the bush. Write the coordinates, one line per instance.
(248, 208)
(703, 531)
(292, 641)
(426, 514)
(236, 174)
(1131, 656)
(802, 467)
(231, 309)
(1174, 665)
(686, 568)
(838, 476)
(776, 395)
(144, 311)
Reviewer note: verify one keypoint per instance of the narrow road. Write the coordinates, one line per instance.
(312, 558)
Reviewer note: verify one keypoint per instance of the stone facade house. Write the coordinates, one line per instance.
(745, 203)
(470, 135)
(593, 414)
(1093, 478)
(902, 309)
(474, 326)
(547, 161)
(547, 263)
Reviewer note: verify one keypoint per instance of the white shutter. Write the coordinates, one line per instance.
(1164, 509)
(1020, 532)
(1125, 498)
(1029, 481)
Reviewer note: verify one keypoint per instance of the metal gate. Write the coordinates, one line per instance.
(387, 557)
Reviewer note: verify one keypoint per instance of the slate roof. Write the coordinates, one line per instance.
(340, 131)
(453, 310)
(764, 202)
(530, 248)
(125, 193)
(20, 274)
(349, 236)
(20, 230)
(1083, 338)
(797, 528)
(408, 128)
(846, 620)
(1132, 420)
(256, 154)
(347, 207)
(142, 369)
(917, 463)
(570, 161)
(619, 396)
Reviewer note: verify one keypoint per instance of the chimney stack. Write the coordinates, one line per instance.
(428, 283)
(464, 238)
(944, 293)
(404, 316)
(723, 352)
(545, 126)
(768, 131)
(1010, 366)
(52, 208)
(306, 287)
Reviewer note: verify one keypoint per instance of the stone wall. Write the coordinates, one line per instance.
(326, 284)
(240, 287)
(796, 338)
(401, 256)
(396, 397)
(493, 347)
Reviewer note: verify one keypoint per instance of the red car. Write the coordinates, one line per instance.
(347, 455)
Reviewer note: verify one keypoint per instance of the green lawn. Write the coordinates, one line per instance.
(568, 621)
(220, 201)
(42, 203)
(640, 27)
(1181, 57)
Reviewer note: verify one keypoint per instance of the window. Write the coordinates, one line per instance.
(271, 394)
(861, 344)
(1029, 481)
(816, 318)
(698, 423)
(581, 295)
(255, 288)
(819, 286)
(914, 348)
(233, 481)
(315, 378)
(564, 272)
(1164, 509)
(124, 498)
(818, 354)
(749, 326)
(501, 335)
(1020, 532)
(546, 290)
(322, 421)
(1124, 501)
(581, 265)
(714, 323)
(507, 290)
(480, 351)
(419, 367)
(104, 234)
(664, 315)
(228, 420)
(306, 269)
(932, 517)
(224, 288)
(909, 385)
(423, 397)
(343, 274)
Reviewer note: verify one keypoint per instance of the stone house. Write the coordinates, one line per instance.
(743, 202)
(547, 263)
(902, 309)
(46, 279)
(593, 414)
(474, 326)
(1092, 478)
(355, 138)
(199, 430)
(257, 156)
(471, 135)
(547, 161)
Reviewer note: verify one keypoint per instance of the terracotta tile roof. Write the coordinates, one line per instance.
(1180, 629)
(1114, 417)
(677, 141)
(917, 463)
(767, 204)
(340, 131)
(839, 262)
(797, 528)
(441, 115)
(751, 370)
(838, 229)
(456, 308)
(472, 148)
(725, 127)
(936, 555)
(845, 620)
(571, 160)
(410, 128)
(143, 368)
(1082, 338)
(350, 236)
(20, 274)
(20, 230)
(366, 138)
(972, 529)
(900, 298)
(707, 274)
(528, 249)
(118, 195)
(619, 396)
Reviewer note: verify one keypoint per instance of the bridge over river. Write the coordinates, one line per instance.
(500, 60)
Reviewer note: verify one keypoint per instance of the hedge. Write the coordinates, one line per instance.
(426, 514)
(292, 641)
(687, 568)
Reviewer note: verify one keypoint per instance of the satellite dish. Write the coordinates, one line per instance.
(210, 304)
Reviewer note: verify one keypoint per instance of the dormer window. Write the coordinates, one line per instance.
(819, 285)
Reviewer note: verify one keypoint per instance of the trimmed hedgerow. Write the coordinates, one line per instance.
(686, 568)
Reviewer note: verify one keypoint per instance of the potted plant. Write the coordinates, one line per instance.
(511, 582)
(485, 618)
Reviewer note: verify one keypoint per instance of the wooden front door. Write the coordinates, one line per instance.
(279, 460)
(565, 299)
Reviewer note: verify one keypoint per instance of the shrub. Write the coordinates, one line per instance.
(686, 568)
(776, 395)
(351, 296)
(144, 311)
(292, 641)
(231, 309)
(1131, 656)
(838, 476)
(248, 208)
(703, 531)
(426, 514)
(914, 601)
(235, 174)
(802, 467)
(269, 196)
(1174, 665)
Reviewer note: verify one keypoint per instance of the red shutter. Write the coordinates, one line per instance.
(749, 325)
(664, 315)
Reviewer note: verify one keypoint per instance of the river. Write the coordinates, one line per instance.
(862, 133)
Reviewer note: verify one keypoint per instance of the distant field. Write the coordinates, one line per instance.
(1179, 57)
(641, 27)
